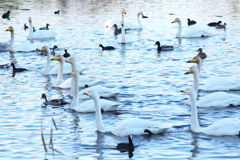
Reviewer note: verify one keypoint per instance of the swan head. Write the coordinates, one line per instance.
(44, 49)
(195, 59)
(11, 29)
(140, 13)
(59, 58)
(157, 43)
(189, 91)
(92, 93)
(176, 20)
(192, 70)
(124, 11)
(29, 19)
(122, 23)
(71, 60)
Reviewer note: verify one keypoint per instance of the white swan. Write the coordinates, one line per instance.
(128, 25)
(223, 127)
(192, 32)
(83, 80)
(22, 47)
(123, 38)
(216, 99)
(54, 70)
(39, 34)
(127, 127)
(221, 84)
(88, 106)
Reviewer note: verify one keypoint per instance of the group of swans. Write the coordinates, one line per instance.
(225, 126)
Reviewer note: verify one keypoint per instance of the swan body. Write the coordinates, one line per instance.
(221, 84)
(123, 38)
(127, 127)
(22, 47)
(54, 70)
(218, 99)
(223, 127)
(88, 106)
(102, 91)
(128, 25)
(191, 32)
(39, 34)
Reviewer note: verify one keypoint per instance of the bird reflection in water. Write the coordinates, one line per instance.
(127, 147)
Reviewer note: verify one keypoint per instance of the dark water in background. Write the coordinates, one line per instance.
(149, 83)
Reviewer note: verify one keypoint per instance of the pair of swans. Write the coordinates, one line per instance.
(128, 25)
(47, 70)
(22, 47)
(216, 83)
(192, 32)
(216, 99)
(39, 34)
(124, 38)
(222, 127)
(88, 105)
(127, 127)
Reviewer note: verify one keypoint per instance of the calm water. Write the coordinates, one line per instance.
(149, 83)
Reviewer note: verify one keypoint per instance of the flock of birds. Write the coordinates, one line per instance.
(92, 94)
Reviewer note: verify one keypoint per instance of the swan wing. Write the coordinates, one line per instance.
(221, 83)
(89, 106)
(218, 99)
(137, 127)
(225, 126)
(42, 34)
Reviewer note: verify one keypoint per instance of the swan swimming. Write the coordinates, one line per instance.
(127, 127)
(222, 127)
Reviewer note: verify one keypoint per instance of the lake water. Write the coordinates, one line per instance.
(149, 83)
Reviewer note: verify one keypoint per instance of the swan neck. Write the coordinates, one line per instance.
(196, 81)
(194, 114)
(12, 41)
(73, 66)
(74, 89)
(179, 29)
(30, 30)
(99, 122)
(199, 66)
(139, 22)
(60, 73)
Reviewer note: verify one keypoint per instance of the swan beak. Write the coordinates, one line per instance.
(8, 29)
(192, 60)
(54, 58)
(30, 19)
(41, 49)
(188, 72)
(87, 93)
(122, 23)
(185, 91)
(124, 11)
(68, 61)
(174, 21)
(70, 73)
